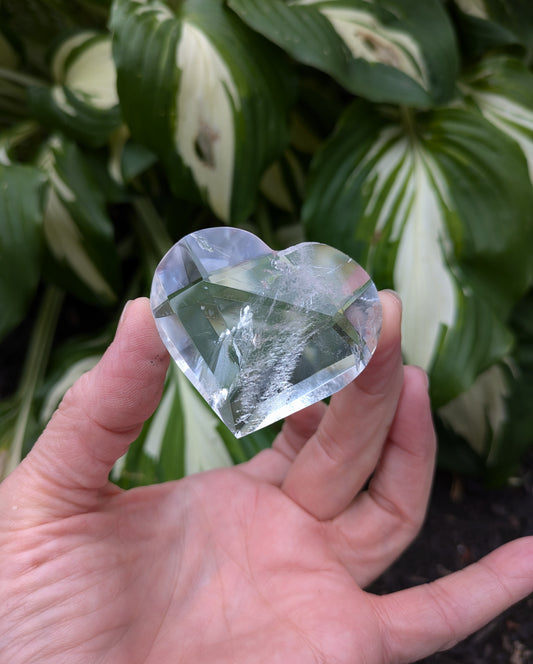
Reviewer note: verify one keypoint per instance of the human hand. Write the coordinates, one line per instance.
(264, 562)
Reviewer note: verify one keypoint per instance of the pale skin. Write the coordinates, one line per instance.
(264, 562)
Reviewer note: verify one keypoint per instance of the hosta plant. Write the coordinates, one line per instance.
(399, 132)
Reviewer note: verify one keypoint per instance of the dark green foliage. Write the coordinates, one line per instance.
(399, 131)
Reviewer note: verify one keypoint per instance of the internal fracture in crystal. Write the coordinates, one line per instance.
(262, 334)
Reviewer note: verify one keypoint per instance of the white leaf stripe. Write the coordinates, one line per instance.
(166, 410)
(421, 273)
(59, 60)
(512, 118)
(474, 8)
(501, 88)
(204, 447)
(57, 391)
(370, 40)
(84, 64)
(92, 74)
(67, 225)
(157, 10)
(408, 203)
(205, 129)
(65, 241)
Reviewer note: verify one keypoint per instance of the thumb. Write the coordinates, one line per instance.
(100, 415)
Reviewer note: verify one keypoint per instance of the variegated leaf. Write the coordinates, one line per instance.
(486, 24)
(424, 205)
(502, 89)
(209, 99)
(82, 256)
(404, 52)
(83, 101)
(479, 415)
(494, 416)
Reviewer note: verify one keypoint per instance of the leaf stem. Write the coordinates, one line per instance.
(21, 79)
(265, 227)
(34, 368)
(152, 230)
(409, 123)
(18, 134)
(528, 59)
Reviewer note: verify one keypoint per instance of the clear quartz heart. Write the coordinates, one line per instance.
(259, 333)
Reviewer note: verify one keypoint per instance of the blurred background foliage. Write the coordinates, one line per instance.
(399, 132)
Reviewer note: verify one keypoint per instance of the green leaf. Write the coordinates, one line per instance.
(67, 363)
(18, 423)
(22, 190)
(479, 415)
(82, 255)
(494, 416)
(429, 211)
(127, 158)
(283, 183)
(517, 436)
(400, 51)
(83, 102)
(487, 24)
(13, 138)
(476, 339)
(205, 94)
(502, 89)
(244, 449)
(12, 90)
(9, 57)
(18, 430)
(38, 24)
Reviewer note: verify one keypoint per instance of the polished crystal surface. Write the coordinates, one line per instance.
(262, 334)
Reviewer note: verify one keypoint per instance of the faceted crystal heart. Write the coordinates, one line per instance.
(259, 333)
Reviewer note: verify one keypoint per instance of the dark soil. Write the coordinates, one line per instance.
(466, 520)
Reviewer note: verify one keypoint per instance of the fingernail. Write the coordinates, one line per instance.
(123, 314)
(393, 293)
(424, 373)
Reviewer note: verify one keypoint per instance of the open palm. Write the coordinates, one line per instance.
(264, 562)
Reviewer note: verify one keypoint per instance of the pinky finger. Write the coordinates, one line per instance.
(433, 617)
